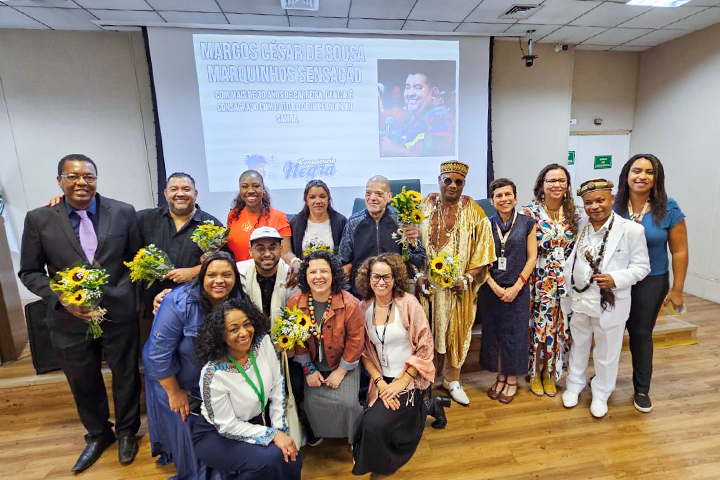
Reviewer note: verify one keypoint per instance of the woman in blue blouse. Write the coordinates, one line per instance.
(171, 370)
(641, 197)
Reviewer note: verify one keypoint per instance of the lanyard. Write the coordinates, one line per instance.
(387, 319)
(261, 392)
(503, 238)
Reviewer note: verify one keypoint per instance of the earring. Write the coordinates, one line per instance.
(565, 195)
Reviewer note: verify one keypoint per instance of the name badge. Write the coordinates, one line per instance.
(502, 264)
(558, 253)
(383, 360)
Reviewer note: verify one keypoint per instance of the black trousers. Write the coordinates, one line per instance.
(647, 299)
(81, 365)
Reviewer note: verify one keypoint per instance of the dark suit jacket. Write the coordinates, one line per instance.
(49, 244)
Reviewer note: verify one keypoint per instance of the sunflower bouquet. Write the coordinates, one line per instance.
(82, 287)
(445, 270)
(210, 237)
(406, 208)
(292, 327)
(316, 246)
(150, 263)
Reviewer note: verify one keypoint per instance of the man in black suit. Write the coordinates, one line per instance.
(59, 237)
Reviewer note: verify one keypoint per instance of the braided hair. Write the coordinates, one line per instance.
(238, 204)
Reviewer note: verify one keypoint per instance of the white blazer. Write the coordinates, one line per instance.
(251, 287)
(626, 260)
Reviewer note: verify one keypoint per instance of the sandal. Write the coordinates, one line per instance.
(536, 386)
(508, 398)
(548, 384)
(494, 393)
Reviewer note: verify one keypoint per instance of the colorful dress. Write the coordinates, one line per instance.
(547, 323)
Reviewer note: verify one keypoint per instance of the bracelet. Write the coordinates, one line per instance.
(309, 368)
(411, 375)
(292, 262)
(465, 283)
(522, 277)
(377, 380)
(418, 275)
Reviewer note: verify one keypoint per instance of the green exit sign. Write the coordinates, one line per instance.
(571, 157)
(603, 161)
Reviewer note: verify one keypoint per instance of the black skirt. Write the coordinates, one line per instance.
(387, 439)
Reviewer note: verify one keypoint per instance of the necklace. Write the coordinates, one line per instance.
(606, 295)
(442, 222)
(555, 215)
(637, 217)
(318, 333)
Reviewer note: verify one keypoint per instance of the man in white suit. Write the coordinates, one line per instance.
(609, 257)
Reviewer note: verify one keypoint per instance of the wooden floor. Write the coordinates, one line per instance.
(532, 438)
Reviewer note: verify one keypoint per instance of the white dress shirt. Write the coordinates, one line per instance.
(588, 302)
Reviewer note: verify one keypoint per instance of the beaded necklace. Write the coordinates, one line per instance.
(442, 222)
(594, 262)
(318, 332)
(637, 217)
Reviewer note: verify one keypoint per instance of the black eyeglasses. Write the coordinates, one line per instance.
(553, 181)
(458, 182)
(376, 277)
(73, 178)
(260, 249)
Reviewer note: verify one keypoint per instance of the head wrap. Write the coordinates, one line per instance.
(594, 184)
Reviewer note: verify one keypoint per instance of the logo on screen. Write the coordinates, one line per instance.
(309, 168)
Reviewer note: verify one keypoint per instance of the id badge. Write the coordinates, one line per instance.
(558, 253)
(383, 360)
(502, 264)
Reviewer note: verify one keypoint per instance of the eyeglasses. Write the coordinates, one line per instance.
(260, 249)
(376, 277)
(73, 178)
(458, 182)
(559, 181)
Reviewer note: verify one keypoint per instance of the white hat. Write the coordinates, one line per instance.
(264, 232)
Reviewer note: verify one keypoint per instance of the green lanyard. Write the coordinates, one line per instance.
(261, 392)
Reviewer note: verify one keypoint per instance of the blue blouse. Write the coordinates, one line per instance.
(657, 236)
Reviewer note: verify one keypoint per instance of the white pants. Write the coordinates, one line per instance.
(606, 355)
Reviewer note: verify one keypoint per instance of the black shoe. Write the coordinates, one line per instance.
(313, 441)
(127, 449)
(92, 452)
(435, 409)
(643, 402)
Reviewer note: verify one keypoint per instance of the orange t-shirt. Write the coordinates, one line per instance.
(243, 225)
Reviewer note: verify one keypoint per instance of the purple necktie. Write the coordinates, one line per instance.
(87, 235)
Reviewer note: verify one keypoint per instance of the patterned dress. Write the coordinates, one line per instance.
(547, 323)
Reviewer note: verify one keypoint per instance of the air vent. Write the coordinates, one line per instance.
(520, 12)
(312, 5)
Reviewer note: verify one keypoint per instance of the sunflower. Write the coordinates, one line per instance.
(78, 298)
(285, 342)
(139, 255)
(438, 264)
(417, 216)
(76, 276)
(446, 281)
(414, 196)
(302, 321)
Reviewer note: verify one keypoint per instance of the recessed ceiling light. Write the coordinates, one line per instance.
(658, 3)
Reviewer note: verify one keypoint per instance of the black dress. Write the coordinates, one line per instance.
(505, 333)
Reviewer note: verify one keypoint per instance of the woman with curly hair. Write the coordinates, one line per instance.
(242, 431)
(330, 360)
(556, 218)
(251, 209)
(641, 191)
(398, 356)
(171, 369)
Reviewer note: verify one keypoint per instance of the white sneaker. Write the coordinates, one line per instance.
(570, 399)
(598, 408)
(457, 392)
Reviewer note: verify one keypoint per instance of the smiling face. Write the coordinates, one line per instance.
(266, 253)
(418, 94)
(319, 278)
(239, 332)
(219, 280)
(317, 201)
(641, 177)
(503, 199)
(381, 280)
(180, 194)
(377, 196)
(598, 206)
(555, 184)
(251, 190)
(77, 190)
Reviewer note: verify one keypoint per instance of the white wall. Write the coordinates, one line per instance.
(74, 92)
(678, 119)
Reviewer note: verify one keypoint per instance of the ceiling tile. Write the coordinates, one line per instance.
(420, 26)
(660, 17)
(194, 17)
(609, 14)
(394, 9)
(572, 35)
(46, 3)
(656, 38)
(121, 28)
(626, 48)
(593, 47)
(540, 30)
(254, 20)
(698, 21)
(617, 36)
(317, 22)
(62, 18)
(489, 11)
(10, 18)
(186, 5)
(446, 10)
(489, 28)
(269, 7)
(115, 4)
(334, 8)
(560, 12)
(373, 24)
(128, 16)
(703, 3)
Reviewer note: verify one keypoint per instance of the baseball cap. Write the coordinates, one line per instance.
(264, 232)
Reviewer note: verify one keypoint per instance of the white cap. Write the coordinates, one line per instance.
(264, 232)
